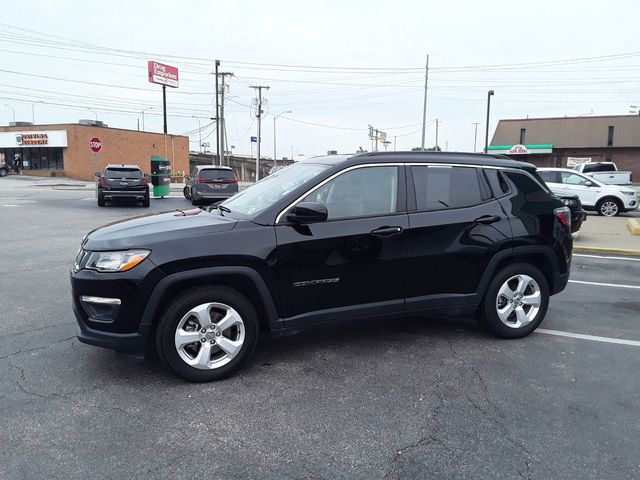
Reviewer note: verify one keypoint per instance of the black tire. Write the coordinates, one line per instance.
(179, 307)
(609, 207)
(3, 172)
(194, 202)
(146, 201)
(488, 314)
(101, 202)
(186, 191)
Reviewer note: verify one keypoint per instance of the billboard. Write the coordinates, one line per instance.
(162, 74)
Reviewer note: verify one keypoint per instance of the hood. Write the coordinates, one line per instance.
(145, 231)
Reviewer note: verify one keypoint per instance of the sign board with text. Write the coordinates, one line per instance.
(95, 144)
(162, 74)
(27, 139)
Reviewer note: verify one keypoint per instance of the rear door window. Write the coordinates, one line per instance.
(440, 188)
(216, 174)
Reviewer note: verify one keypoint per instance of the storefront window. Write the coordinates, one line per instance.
(35, 158)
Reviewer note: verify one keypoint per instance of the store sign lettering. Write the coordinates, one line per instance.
(32, 139)
(519, 150)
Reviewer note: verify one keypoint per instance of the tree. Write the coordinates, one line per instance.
(431, 149)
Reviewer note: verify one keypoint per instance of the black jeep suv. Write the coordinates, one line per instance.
(327, 239)
(122, 183)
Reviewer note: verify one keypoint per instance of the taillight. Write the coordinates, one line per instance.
(563, 215)
(203, 180)
(103, 182)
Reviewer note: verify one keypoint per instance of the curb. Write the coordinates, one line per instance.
(634, 226)
(615, 251)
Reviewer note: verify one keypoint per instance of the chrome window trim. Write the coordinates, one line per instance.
(392, 164)
(327, 180)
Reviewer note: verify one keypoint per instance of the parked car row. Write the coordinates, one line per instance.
(607, 200)
(605, 172)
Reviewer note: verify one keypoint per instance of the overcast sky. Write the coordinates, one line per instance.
(347, 64)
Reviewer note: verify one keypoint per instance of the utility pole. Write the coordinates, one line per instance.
(475, 135)
(424, 107)
(394, 143)
(223, 132)
(217, 64)
(437, 121)
(259, 112)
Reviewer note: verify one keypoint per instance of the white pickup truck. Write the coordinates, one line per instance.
(606, 172)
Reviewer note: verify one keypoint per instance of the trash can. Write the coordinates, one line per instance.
(160, 176)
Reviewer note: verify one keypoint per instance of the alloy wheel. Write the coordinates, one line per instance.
(609, 208)
(209, 336)
(518, 301)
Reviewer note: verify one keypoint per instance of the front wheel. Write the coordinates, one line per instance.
(609, 207)
(3, 172)
(516, 301)
(207, 334)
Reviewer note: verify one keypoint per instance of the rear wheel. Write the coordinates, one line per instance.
(516, 301)
(207, 334)
(609, 207)
(101, 202)
(145, 201)
(186, 191)
(3, 172)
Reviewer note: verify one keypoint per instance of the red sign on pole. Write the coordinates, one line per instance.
(95, 144)
(162, 74)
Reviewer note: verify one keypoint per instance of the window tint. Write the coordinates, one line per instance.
(497, 182)
(528, 186)
(439, 188)
(359, 193)
(548, 177)
(123, 173)
(573, 179)
(216, 174)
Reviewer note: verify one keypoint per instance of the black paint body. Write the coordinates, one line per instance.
(299, 275)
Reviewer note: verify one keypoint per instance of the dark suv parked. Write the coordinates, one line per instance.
(327, 239)
(210, 183)
(122, 183)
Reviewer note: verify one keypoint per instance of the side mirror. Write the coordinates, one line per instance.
(97, 174)
(308, 212)
(590, 184)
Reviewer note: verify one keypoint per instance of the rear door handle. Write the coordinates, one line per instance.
(487, 219)
(386, 231)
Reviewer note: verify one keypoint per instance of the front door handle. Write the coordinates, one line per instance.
(487, 219)
(386, 231)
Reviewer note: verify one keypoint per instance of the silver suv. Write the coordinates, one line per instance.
(210, 183)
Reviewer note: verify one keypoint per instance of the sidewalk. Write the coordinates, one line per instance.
(606, 235)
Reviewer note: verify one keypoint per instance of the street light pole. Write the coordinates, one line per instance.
(33, 111)
(486, 132)
(94, 112)
(475, 135)
(12, 109)
(144, 110)
(275, 158)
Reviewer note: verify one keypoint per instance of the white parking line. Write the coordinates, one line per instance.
(9, 205)
(593, 338)
(606, 258)
(617, 285)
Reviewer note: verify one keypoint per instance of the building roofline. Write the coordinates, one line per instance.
(59, 125)
(567, 118)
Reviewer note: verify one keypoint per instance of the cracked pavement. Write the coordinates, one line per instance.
(389, 398)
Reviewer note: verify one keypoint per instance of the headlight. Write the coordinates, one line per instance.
(116, 261)
(627, 192)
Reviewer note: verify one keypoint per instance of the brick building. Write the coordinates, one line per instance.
(63, 149)
(564, 141)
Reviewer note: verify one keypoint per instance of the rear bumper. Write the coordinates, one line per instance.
(131, 195)
(577, 218)
(560, 281)
(212, 195)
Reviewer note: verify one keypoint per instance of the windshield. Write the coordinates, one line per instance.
(273, 188)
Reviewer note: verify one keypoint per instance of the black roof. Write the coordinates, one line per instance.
(426, 157)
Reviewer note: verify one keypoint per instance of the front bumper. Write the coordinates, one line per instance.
(122, 331)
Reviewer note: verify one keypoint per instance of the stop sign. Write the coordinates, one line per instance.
(95, 144)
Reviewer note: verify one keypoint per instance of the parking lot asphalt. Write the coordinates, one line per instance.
(389, 398)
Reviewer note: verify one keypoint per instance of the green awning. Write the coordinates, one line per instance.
(521, 149)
